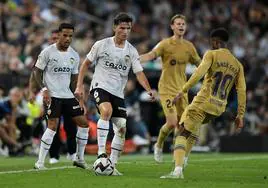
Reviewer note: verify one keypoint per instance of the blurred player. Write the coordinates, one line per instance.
(56, 72)
(175, 52)
(113, 58)
(222, 70)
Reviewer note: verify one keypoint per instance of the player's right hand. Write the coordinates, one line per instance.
(239, 124)
(46, 98)
(31, 97)
(178, 96)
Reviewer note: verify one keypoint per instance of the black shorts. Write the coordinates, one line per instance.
(99, 96)
(59, 106)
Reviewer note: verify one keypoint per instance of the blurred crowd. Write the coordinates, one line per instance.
(27, 25)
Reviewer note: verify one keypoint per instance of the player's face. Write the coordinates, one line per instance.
(122, 30)
(213, 43)
(179, 27)
(65, 37)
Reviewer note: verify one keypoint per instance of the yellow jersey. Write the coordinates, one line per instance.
(222, 71)
(175, 55)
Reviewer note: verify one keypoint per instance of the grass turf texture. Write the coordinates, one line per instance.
(204, 170)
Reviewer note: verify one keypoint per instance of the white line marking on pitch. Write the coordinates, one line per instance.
(35, 170)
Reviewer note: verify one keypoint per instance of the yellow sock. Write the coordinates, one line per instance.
(179, 150)
(191, 140)
(163, 133)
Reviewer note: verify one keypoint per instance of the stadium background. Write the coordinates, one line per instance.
(26, 26)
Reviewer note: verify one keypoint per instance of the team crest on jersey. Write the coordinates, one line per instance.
(72, 60)
(127, 59)
(172, 62)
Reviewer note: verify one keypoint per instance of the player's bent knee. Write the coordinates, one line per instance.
(183, 132)
(80, 121)
(120, 126)
(106, 113)
(52, 124)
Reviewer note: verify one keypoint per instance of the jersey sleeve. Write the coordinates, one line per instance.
(158, 49)
(240, 85)
(42, 60)
(93, 53)
(200, 71)
(195, 58)
(76, 66)
(136, 64)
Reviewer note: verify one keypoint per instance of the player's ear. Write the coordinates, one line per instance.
(114, 27)
(171, 26)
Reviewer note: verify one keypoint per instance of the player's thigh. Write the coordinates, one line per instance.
(69, 125)
(103, 102)
(55, 108)
(73, 109)
(119, 107)
(192, 118)
(181, 106)
(169, 110)
(53, 113)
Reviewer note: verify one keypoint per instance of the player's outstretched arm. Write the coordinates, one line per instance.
(142, 79)
(147, 57)
(240, 85)
(79, 86)
(196, 76)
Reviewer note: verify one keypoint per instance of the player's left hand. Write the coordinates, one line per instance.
(239, 124)
(83, 107)
(179, 95)
(78, 93)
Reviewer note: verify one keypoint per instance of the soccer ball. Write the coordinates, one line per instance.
(103, 167)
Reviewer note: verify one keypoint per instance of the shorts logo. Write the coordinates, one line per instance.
(96, 94)
(172, 62)
(121, 108)
(97, 99)
(48, 111)
(76, 107)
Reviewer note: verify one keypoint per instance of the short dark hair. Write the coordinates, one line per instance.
(177, 16)
(66, 26)
(122, 17)
(220, 33)
(55, 31)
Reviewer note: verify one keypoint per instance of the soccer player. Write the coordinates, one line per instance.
(70, 130)
(222, 70)
(175, 52)
(56, 72)
(113, 58)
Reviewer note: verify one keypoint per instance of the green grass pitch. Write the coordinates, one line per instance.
(204, 170)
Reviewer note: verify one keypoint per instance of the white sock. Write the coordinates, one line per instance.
(116, 148)
(46, 142)
(81, 141)
(178, 169)
(102, 133)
